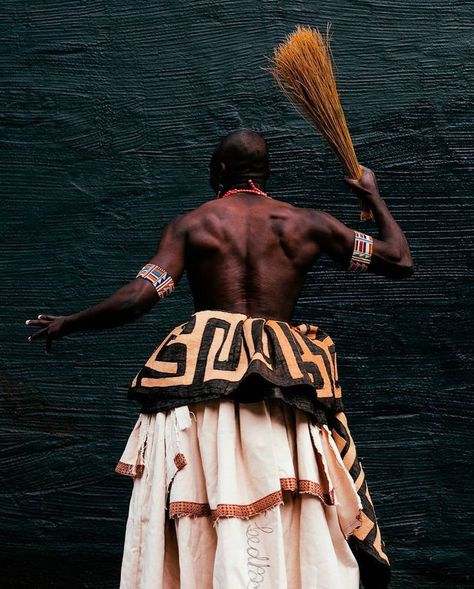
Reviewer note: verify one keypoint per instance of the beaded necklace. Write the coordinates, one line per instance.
(253, 189)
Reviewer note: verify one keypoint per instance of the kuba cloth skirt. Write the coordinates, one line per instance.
(231, 495)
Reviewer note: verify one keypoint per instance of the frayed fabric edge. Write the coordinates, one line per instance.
(179, 509)
(130, 470)
(203, 510)
(356, 524)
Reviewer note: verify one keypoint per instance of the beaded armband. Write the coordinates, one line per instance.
(362, 253)
(161, 280)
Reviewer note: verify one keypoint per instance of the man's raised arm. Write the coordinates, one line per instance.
(154, 281)
(388, 255)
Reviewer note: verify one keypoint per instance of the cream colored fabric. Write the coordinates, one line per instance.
(259, 499)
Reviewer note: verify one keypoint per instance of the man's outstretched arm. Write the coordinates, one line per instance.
(390, 252)
(129, 302)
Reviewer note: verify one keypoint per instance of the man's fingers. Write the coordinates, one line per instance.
(37, 334)
(37, 322)
(351, 181)
(40, 318)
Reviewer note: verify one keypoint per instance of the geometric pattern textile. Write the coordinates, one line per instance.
(219, 354)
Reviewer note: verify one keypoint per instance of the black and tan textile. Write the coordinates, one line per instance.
(217, 354)
(366, 541)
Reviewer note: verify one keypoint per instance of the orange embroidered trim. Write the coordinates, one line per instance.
(190, 508)
(180, 460)
(245, 511)
(316, 489)
(180, 508)
(289, 484)
(129, 470)
(136, 470)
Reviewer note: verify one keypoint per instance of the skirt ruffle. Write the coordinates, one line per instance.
(261, 484)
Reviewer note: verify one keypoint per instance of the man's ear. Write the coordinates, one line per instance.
(222, 172)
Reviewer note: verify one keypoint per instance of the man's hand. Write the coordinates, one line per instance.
(52, 327)
(391, 255)
(366, 186)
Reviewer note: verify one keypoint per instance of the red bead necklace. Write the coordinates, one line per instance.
(253, 189)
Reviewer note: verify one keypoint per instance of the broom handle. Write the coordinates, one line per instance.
(366, 213)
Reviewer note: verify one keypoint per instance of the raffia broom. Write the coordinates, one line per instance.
(303, 68)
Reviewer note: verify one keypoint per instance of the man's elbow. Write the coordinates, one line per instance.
(129, 309)
(398, 262)
(141, 306)
(405, 268)
(406, 272)
(141, 297)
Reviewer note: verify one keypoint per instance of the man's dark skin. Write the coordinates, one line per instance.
(245, 253)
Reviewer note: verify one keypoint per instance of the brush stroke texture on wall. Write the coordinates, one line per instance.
(109, 111)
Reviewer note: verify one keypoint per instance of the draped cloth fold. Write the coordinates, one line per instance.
(243, 442)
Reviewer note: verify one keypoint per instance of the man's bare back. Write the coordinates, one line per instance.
(248, 254)
(245, 253)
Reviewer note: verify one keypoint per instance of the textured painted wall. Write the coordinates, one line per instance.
(109, 110)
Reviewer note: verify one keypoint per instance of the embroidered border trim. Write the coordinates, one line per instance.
(362, 252)
(129, 470)
(189, 508)
(315, 489)
(136, 470)
(159, 277)
(193, 509)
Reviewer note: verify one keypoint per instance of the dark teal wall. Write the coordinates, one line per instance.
(109, 110)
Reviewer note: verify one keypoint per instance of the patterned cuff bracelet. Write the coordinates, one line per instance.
(362, 253)
(161, 280)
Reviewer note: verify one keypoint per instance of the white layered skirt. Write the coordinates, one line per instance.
(229, 496)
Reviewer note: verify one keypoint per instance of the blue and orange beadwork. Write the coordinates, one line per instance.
(159, 277)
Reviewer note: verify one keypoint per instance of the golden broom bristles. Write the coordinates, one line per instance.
(303, 68)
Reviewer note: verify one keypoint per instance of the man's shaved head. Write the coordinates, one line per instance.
(239, 157)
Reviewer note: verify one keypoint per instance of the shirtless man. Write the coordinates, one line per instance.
(247, 256)
(247, 253)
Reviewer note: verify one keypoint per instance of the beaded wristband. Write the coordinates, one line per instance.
(362, 253)
(161, 280)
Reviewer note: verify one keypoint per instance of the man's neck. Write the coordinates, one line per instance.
(244, 184)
